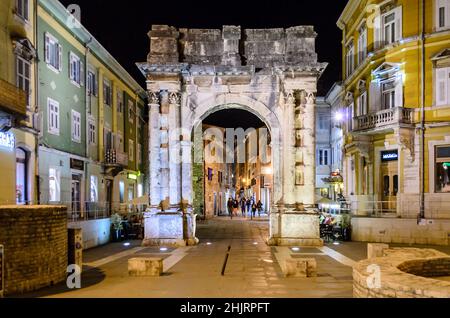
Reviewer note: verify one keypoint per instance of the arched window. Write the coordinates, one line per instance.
(21, 176)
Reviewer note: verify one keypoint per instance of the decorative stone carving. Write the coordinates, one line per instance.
(311, 98)
(289, 98)
(153, 98)
(405, 139)
(174, 98)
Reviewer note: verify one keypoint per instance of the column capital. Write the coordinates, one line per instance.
(153, 97)
(174, 98)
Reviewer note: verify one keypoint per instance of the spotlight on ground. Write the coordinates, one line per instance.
(209, 243)
(295, 249)
(255, 243)
(126, 244)
(336, 243)
(268, 260)
(163, 249)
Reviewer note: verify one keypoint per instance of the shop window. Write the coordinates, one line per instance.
(386, 186)
(54, 180)
(94, 189)
(395, 185)
(140, 190)
(21, 176)
(121, 191)
(442, 166)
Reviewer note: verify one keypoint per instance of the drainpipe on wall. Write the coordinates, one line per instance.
(87, 184)
(422, 114)
(37, 194)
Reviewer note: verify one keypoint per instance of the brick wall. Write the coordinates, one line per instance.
(35, 240)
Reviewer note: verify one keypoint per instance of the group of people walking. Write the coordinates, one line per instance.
(247, 206)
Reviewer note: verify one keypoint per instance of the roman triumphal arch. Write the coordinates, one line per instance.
(192, 73)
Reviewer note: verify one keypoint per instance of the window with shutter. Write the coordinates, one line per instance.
(76, 126)
(53, 53)
(442, 86)
(442, 14)
(53, 116)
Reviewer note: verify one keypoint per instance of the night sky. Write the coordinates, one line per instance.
(122, 26)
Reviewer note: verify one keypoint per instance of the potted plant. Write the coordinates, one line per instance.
(116, 222)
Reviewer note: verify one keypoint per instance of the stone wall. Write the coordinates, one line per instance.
(403, 273)
(403, 231)
(95, 232)
(35, 240)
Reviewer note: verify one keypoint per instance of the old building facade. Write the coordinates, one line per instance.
(192, 73)
(91, 119)
(17, 102)
(395, 57)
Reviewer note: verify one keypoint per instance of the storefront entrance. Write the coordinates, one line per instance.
(389, 181)
(76, 193)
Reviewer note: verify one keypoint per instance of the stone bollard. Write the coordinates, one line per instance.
(376, 250)
(300, 267)
(142, 266)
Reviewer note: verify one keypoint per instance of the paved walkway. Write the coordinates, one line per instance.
(252, 270)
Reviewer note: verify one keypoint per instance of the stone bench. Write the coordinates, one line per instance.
(300, 267)
(145, 266)
(376, 250)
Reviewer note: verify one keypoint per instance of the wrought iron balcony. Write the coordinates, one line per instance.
(383, 119)
(12, 99)
(116, 158)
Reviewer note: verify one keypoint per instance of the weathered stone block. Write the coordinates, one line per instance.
(143, 267)
(376, 250)
(300, 267)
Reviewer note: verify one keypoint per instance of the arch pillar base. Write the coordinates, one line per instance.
(293, 228)
(169, 228)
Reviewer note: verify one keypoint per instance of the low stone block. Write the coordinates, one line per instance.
(300, 267)
(140, 266)
(376, 250)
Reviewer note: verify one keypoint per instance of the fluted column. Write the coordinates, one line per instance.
(164, 151)
(174, 150)
(289, 150)
(154, 149)
(305, 186)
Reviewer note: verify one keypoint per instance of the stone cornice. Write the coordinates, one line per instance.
(222, 70)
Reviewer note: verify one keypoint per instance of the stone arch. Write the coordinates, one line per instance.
(255, 107)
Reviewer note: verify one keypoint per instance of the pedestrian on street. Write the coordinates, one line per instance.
(235, 207)
(259, 206)
(243, 207)
(230, 207)
(254, 209)
(249, 206)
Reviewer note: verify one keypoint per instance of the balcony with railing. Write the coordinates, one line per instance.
(115, 157)
(12, 99)
(384, 119)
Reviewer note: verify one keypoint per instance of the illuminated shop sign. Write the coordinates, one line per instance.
(132, 176)
(390, 155)
(7, 140)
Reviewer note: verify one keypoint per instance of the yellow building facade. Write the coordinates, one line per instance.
(396, 84)
(17, 102)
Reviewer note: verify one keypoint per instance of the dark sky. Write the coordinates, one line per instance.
(122, 26)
